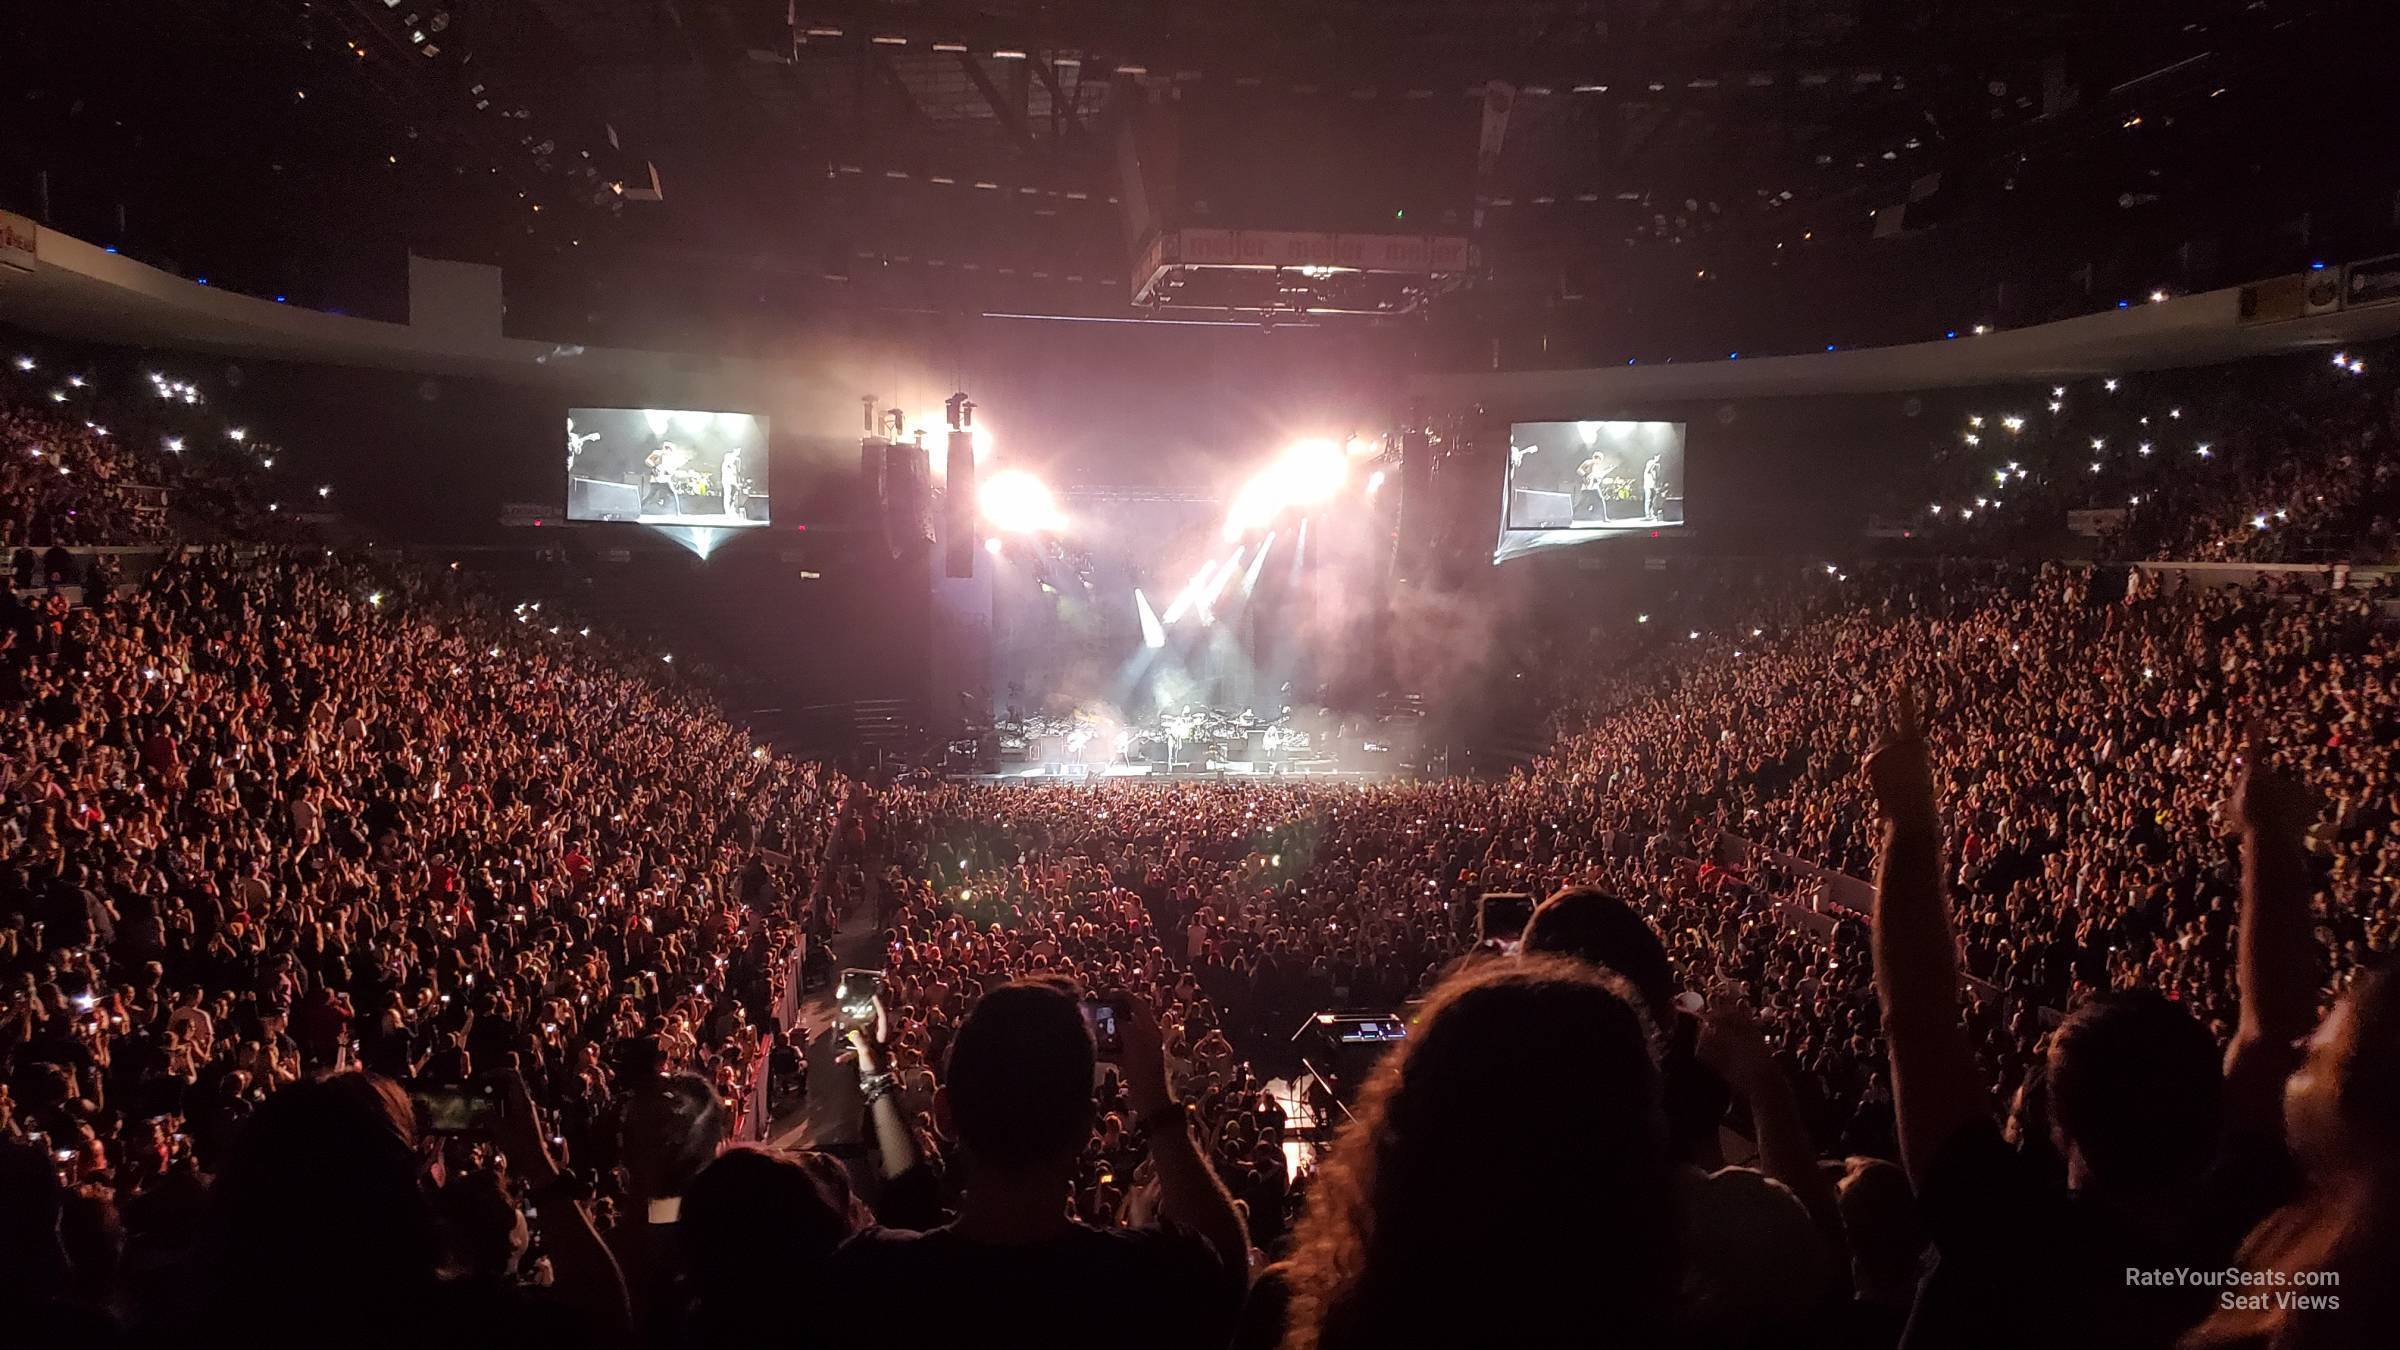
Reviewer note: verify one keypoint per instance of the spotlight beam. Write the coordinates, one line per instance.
(1257, 564)
(1191, 591)
(1154, 635)
(1216, 586)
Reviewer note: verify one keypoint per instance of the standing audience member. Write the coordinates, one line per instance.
(756, 1231)
(671, 1128)
(2332, 1251)
(1014, 1268)
(1505, 1180)
(2136, 1110)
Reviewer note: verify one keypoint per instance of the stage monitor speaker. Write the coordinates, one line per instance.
(958, 507)
(871, 450)
(907, 501)
(598, 499)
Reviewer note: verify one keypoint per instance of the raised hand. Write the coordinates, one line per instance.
(519, 1132)
(1145, 1059)
(1899, 769)
(1731, 1041)
(2268, 799)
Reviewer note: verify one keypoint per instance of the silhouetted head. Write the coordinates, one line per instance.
(756, 1227)
(487, 1232)
(32, 1257)
(1594, 926)
(1879, 1217)
(319, 1199)
(2134, 1092)
(1018, 1092)
(670, 1128)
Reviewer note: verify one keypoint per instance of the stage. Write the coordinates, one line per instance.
(1240, 772)
(720, 521)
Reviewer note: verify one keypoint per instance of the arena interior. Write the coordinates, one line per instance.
(1217, 674)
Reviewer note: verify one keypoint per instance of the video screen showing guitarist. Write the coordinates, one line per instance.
(664, 466)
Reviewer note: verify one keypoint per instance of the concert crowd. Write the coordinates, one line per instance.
(1929, 956)
(2280, 459)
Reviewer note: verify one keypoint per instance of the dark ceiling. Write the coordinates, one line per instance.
(864, 156)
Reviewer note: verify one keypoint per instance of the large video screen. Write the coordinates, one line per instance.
(1568, 482)
(666, 466)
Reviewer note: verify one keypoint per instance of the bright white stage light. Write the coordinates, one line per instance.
(1257, 503)
(936, 425)
(1313, 471)
(1017, 502)
(1154, 634)
(1308, 473)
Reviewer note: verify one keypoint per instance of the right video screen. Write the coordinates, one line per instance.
(1570, 482)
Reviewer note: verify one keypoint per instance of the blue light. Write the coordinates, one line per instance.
(1951, 334)
(2313, 267)
(112, 248)
(202, 280)
(1629, 360)
(1733, 356)
(1831, 347)
(279, 299)
(2124, 304)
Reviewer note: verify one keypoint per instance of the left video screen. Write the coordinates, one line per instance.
(666, 466)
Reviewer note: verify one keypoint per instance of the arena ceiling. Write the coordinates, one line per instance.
(899, 150)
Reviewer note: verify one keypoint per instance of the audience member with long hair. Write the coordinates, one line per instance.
(1505, 1181)
(2326, 1259)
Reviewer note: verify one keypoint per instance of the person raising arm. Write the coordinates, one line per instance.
(2276, 958)
(1190, 1195)
(1935, 1088)
(588, 1279)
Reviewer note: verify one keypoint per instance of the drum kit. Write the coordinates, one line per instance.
(686, 482)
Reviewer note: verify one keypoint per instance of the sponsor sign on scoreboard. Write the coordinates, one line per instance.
(16, 241)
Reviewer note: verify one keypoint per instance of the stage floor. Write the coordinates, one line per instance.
(1053, 772)
(722, 520)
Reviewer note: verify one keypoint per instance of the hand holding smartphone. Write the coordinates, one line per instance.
(447, 1108)
(854, 995)
(1107, 1017)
